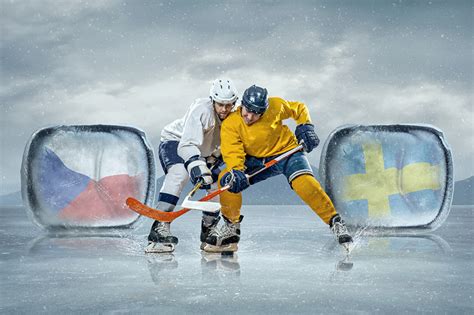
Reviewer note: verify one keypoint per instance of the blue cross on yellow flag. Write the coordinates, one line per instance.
(389, 175)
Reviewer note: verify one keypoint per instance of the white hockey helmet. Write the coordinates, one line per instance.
(223, 91)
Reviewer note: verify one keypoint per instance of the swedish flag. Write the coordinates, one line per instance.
(396, 175)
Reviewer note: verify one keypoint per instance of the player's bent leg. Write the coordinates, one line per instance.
(311, 192)
(160, 238)
(172, 186)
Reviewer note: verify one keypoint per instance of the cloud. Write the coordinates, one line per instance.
(144, 63)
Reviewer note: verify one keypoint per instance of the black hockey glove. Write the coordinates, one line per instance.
(307, 137)
(236, 179)
(198, 171)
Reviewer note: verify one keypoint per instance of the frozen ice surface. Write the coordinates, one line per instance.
(287, 263)
(80, 176)
(389, 176)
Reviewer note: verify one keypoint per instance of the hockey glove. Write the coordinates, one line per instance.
(199, 172)
(236, 180)
(307, 137)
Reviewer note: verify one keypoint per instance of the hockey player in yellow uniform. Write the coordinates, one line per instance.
(254, 134)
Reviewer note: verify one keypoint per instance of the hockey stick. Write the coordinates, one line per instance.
(164, 216)
(199, 205)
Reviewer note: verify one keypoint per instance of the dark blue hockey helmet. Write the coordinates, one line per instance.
(255, 99)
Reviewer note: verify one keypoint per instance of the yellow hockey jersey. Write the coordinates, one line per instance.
(266, 137)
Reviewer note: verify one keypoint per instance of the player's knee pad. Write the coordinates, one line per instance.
(296, 166)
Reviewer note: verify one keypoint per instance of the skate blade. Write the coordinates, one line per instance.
(159, 248)
(219, 249)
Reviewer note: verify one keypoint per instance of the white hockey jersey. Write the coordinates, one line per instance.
(198, 132)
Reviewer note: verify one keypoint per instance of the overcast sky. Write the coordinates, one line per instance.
(142, 63)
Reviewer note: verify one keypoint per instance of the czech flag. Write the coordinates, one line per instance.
(82, 175)
(75, 196)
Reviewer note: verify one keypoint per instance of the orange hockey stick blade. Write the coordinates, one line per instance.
(152, 213)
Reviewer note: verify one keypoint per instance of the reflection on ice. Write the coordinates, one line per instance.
(162, 269)
(69, 245)
(345, 264)
(215, 264)
(287, 263)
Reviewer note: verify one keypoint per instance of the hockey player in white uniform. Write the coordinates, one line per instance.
(190, 149)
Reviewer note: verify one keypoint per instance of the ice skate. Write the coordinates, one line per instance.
(208, 224)
(160, 239)
(224, 238)
(338, 227)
